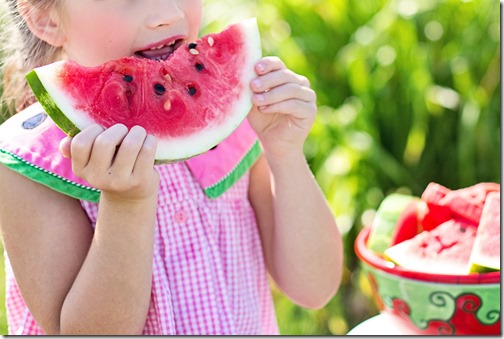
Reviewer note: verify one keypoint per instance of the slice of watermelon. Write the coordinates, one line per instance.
(485, 255)
(443, 250)
(190, 102)
(432, 212)
(443, 204)
(468, 202)
(408, 224)
(385, 228)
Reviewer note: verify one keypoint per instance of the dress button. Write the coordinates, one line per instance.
(181, 217)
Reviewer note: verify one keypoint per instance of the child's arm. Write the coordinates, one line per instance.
(74, 281)
(302, 244)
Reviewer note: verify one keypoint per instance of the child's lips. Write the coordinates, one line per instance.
(162, 50)
(160, 54)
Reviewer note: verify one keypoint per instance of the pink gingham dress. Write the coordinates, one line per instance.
(209, 275)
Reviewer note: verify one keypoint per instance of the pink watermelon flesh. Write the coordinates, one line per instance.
(137, 91)
(444, 204)
(443, 250)
(190, 102)
(485, 254)
(408, 224)
(468, 202)
(432, 212)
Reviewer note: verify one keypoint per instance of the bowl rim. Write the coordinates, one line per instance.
(370, 258)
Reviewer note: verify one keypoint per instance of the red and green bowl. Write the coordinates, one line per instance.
(433, 304)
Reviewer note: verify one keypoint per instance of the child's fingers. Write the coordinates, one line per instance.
(127, 153)
(145, 159)
(64, 147)
(103, 151)
(277, 78)
(105, 146)
(296, 108)
(282, 93)
(269, 64)
(82, 145)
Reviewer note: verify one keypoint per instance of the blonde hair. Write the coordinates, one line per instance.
(22, 51)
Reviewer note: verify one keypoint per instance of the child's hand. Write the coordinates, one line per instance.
(118, 162)
(284, 107)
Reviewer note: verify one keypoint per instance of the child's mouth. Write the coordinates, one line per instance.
(160, 52)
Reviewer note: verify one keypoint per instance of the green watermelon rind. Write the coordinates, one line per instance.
(387, 215)
(50, 106)
(476, 268)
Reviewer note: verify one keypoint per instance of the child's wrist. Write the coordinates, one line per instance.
(286, 160)
(130, 202)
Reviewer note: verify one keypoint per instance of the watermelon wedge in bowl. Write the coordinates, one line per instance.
(430, 303)
(444, 277)
(190, 102)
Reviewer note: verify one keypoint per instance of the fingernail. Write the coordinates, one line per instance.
(256, 83)
(260, 67)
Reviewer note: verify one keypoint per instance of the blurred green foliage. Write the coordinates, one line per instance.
(408, 93)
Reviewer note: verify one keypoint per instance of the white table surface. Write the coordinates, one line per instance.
(382, 324)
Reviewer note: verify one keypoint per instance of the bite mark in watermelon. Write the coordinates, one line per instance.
(190, 102)
(485, 255)
(443, 250)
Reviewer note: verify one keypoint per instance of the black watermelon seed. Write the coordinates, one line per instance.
(199, 67)
(159, 89)
(192, 90)
(192, 45)
(128, 78)
(211, 149)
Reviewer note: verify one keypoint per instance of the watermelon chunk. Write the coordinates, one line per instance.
(485, 255)
(468, 202)
(408, 224)
(190, 102)
(433, 212)
(385, 229)
(443, 250)
(444, 204)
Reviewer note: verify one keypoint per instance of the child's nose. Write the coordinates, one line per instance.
(165, 13)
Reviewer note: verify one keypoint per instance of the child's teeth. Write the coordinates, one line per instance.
(162, 46)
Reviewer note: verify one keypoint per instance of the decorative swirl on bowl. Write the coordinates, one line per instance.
(470, 303)
(492, 316)
(440, 299)
(434, 304)
(442, 327)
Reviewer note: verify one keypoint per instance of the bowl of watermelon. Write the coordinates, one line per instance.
(433, 262)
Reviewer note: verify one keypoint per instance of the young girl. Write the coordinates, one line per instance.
(155, 254)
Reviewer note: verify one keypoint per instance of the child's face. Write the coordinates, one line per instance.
(96, 31)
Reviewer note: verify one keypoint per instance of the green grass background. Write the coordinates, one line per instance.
(408, 93)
